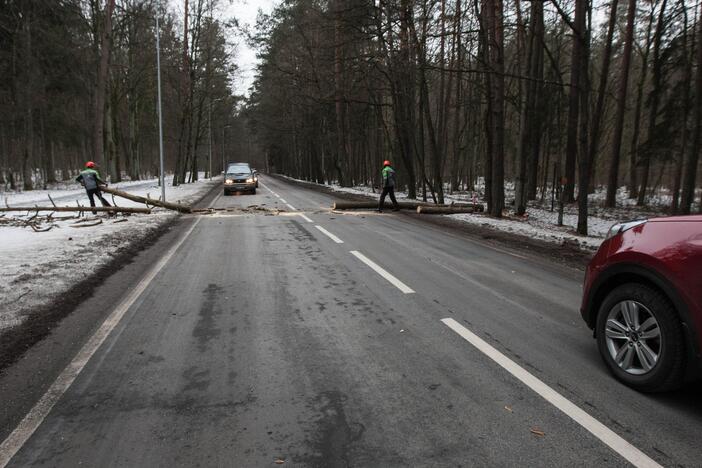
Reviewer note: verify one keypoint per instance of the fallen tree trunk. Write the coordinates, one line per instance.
(363, 205)
(405, 205)
(82, 209)
(148, 201)
(446, 209)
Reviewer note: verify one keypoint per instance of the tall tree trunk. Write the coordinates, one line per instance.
(634, 150)
(584, 162)
(101, 83)
(530, 129)
(613, 175)
(497, 121)
(339, 104)
(484, 52)
(654, 101)
(457, 129)
(687, 82)
(538, 114)
(181, 162)
(27, 159)
(688, 189)
(574, 99)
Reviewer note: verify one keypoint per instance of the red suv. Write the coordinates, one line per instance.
(643, 299)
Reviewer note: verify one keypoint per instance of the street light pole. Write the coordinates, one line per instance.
(210, 145)
(160, 118)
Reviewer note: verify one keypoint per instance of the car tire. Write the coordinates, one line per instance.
(659, 333)
(253, 192)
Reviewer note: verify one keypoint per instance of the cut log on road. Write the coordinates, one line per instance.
(148, 201)
(405, 205)
(83, 209)
(364, 205)
(455, 209)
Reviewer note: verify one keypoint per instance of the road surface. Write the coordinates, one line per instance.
(311, 338)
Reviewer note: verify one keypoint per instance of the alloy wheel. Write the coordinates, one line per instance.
(633, 337)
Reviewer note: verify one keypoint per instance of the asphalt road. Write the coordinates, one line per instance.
(312, 338)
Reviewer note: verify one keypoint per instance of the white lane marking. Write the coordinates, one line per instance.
(633, 455)
(41, 409)
(283, 200)
(291, 207)
(302, 215)
(329, 235)
(382, 272)
(267, 188)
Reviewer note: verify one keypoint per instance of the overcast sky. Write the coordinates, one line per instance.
(246, 11)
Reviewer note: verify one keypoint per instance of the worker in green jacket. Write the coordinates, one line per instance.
(90, 179)
(389, 182)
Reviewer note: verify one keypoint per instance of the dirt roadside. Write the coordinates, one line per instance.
(565, 254)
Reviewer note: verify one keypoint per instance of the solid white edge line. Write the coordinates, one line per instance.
(266, 187)
(24, 430)
(633, 455)
(329, 234)
(382, 272)
(302, 215)
(284, 200)
(291, 207)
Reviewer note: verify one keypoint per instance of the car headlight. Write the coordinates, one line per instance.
(249, 180)
(622, 227)
(229, 181)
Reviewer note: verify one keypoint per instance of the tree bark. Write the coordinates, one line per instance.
(495, 24)
(688, 189)
(654, 102)
(613, 175)
(28, 159)
(531, 128)
(574, 100)
(634, 150)
(101, 83)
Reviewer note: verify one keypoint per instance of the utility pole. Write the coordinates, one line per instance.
(209, 147)
(160, 118)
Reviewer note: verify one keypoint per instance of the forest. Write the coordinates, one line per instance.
(514, 100)
(570, 96)
(80, 83)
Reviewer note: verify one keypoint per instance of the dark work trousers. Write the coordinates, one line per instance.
(388, 191)
(96, 193)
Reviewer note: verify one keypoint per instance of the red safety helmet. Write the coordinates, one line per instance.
(386, 163)
(90, 164)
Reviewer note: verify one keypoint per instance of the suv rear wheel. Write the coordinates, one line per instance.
(640, 338)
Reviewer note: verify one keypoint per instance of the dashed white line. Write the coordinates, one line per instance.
(329, 235)
(633, 455)
(41, 409)
(283, 200)
(291, 207)
(305, 218)
(382, 272)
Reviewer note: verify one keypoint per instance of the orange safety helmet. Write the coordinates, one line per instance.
(386, 163)
(90, 164)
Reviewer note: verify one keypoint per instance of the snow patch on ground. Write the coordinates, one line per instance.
(39, 266)
(540, 222)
